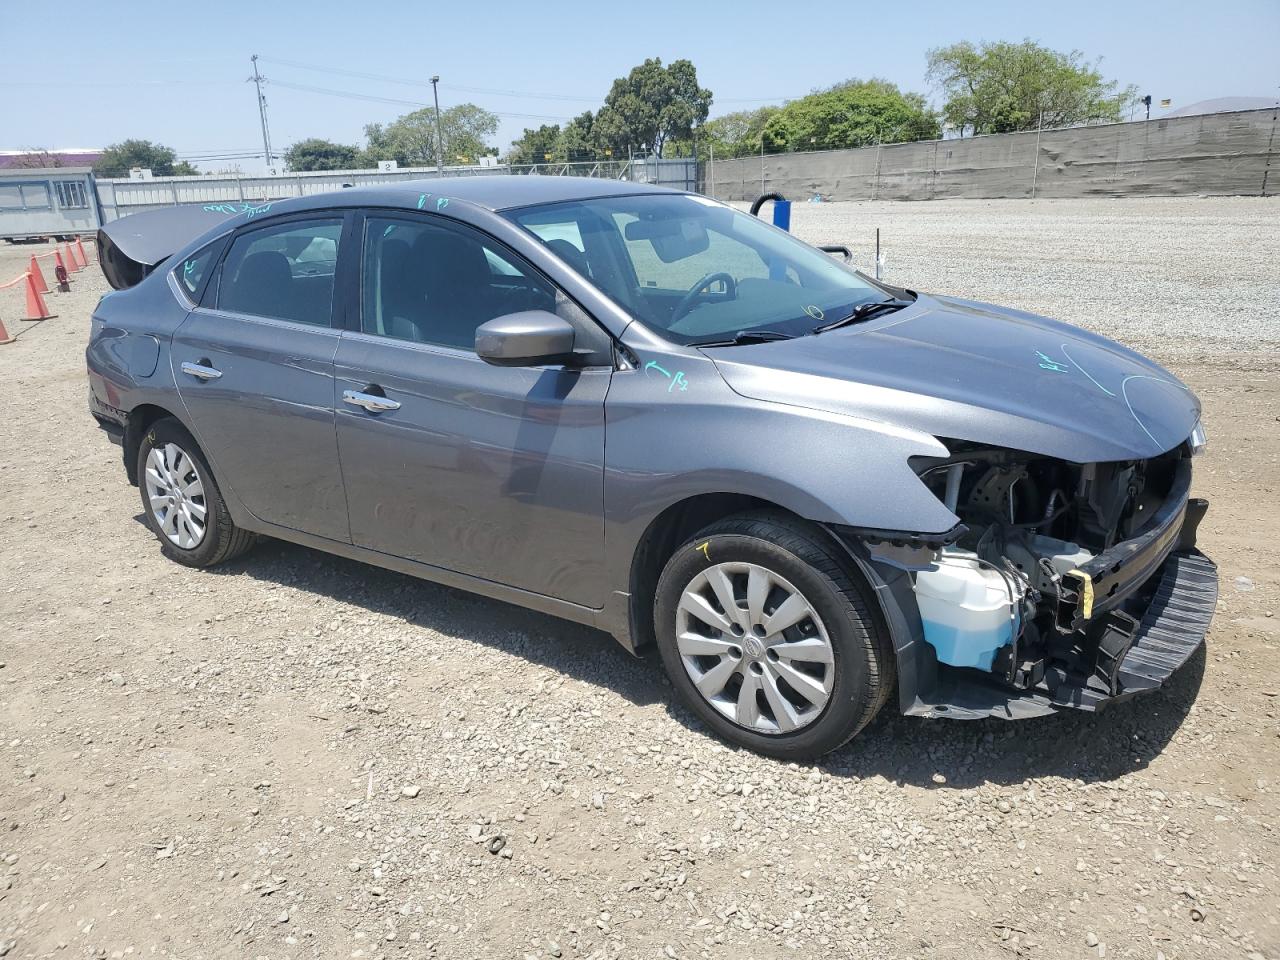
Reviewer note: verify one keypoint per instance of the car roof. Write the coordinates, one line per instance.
(499, 191)
(144, 240)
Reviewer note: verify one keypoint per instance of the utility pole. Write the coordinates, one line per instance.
(257, 79)
(439, 136)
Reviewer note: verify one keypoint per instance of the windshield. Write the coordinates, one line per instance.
(695, 270)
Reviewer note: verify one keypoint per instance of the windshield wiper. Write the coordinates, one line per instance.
(864, 311)
(748, 336)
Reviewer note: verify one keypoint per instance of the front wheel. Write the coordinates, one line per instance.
(181, 500)
(768, 636)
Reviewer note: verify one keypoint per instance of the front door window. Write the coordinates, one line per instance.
(434, 282)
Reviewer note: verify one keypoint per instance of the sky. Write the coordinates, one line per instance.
(177, 74)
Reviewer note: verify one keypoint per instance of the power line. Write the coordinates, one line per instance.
(117, 83)
(246, 155)
(493, 91)
(757, 99)
(525, 95)
(350, 95)
(490, 91)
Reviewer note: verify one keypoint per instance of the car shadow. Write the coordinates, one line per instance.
(568, 648)
(1089, 747)
(1072, 744)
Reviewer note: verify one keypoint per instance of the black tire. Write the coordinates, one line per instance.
(805, 556)
(222, 539)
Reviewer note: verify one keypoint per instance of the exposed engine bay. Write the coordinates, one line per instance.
(1054, 565)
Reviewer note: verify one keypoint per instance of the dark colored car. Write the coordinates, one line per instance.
(646, 411)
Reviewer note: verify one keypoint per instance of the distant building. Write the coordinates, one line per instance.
(48, 202)
(70, 157)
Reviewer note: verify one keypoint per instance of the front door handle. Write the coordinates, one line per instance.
(201, 370)
(369, 401)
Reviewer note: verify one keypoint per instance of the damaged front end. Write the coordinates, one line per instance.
(1065, 585)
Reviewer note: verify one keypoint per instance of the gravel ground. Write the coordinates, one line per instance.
(299, 756)
(1172, 276)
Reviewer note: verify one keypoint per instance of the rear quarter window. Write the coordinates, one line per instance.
(192, 272)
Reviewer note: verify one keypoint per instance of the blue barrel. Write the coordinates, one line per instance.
(782, 214)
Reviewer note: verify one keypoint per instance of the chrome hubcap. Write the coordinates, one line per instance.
(176, 495)
(754, 647)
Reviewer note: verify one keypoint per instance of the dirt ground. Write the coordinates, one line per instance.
(299, 756)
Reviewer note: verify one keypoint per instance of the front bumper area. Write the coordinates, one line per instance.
(1171, 629)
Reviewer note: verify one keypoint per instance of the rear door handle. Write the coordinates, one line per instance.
(369, 401)
(200, 370)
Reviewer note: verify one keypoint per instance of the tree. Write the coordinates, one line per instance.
(37, 157)
(738, 134)
(1003, 87)
(651, 105)
(184, 169)
(410, 140)
(537, 146)
(316, 154)
(119, 158)
(578, 140)
(850, 114)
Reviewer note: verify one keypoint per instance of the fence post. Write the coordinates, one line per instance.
(1035, 171)
(1266, 169)
(875, 179)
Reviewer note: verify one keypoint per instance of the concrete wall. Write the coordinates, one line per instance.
(1217, 154)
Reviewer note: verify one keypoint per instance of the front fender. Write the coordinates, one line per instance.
(676, 431)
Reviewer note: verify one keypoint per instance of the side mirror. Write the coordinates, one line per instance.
(531, 338)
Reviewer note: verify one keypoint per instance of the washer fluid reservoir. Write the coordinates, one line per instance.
(969, 609)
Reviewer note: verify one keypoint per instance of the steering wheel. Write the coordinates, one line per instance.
(689, 299)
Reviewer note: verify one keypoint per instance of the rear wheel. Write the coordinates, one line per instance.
(183, 505)
(767, 635)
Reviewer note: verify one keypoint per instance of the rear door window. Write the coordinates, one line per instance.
(284, 272)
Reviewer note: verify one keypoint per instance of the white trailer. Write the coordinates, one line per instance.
(42, 202)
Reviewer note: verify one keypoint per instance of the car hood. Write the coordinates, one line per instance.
(972, 371)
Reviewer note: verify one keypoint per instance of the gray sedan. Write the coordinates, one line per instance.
(644, 410)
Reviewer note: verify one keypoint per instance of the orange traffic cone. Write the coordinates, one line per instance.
(71, 260)
(37, 275)
(84, 261)
(36, 309)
